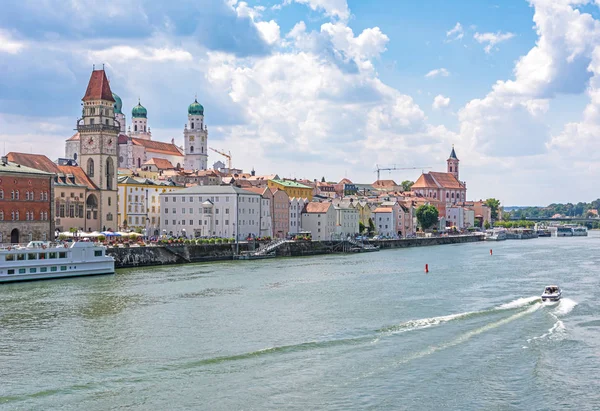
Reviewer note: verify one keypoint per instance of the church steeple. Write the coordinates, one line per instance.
(453, 163)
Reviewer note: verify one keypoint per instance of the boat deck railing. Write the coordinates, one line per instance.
(26, 246)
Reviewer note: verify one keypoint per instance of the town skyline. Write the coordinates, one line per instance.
(323, 88)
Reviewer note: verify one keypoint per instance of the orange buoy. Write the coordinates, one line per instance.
(491, 252)
(426, 268)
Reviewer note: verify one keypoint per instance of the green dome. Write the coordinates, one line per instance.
(195, 109)
(118, 104)
(139, 111)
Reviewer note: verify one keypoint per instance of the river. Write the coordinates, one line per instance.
(338, 332)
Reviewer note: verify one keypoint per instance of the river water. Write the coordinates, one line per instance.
(344, 332)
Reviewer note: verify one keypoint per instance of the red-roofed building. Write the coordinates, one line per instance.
(443, 187)
(319, 219)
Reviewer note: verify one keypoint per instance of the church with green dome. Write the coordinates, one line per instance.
(195, 138)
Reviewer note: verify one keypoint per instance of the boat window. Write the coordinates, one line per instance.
(43, 269)
(32, 270)
(52, 255)
(42, 256)
(32, 256)
(98, 253)
(20, 257)
(11, 271)
(21, 271)
(53, 268)
(63, 268)
(10, 257)
(62, 254)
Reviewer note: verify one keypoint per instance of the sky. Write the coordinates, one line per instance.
(313, 88)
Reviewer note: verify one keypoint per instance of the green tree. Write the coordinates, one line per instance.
(361, 227)
(427, 216)
(487, 225)
(371, 226)
(493, 204)
(406, 185)
(323, 179)
(477, 222)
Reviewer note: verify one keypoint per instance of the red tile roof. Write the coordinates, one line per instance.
(98, 87)
(160, 163)
(37, 161)
(257, 190)
(438, 180)
(385, 183)
(75, 137)
(383, 210)
(80, 176)
(316, 208)
(157, 146)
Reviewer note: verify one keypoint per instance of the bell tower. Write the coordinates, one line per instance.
(195, 136)
(453, 163)
(98, 152)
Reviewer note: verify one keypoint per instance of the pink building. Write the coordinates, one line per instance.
(280, 213)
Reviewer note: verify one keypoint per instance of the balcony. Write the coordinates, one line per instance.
(82, 128)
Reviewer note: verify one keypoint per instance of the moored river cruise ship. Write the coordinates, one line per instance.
(40, 260)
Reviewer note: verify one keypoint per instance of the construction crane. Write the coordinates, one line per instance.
(379, 169)
(224, 154)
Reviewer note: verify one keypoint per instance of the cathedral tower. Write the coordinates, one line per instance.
(453, 163)
(119, 116)
(195, 135)
(139, 120)
(98, 151)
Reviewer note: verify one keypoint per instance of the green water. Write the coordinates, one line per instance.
(350, 332)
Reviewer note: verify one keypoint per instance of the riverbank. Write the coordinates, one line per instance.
(186, 253)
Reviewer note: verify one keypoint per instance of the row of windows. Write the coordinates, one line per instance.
(29, 195)
(206, 222)
(34, 270)
(36, 256)
(29, 216)
(142, 220)
(62, 195)
(72, 211)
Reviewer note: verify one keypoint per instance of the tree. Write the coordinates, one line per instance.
(487, 225)
(493, 204)
(477, 222)
(406, 185)
(371, 226)
(427, 216)
(361, 227)
(323, 179)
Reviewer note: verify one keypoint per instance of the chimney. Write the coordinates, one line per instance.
(4, 160)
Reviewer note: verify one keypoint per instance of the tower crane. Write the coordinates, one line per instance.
(224, 154)
(392, 168)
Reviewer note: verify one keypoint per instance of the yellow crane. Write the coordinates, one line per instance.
(224, 154)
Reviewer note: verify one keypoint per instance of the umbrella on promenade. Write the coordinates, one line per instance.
(110, 234)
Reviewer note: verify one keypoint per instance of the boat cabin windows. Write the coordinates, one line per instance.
(22, 271)
(11, 271)
(53, 268)
(43, 269)
(32, 270)
(32, 256)
(10, 257)
(62, 254)
(20, 257)
(63, 268)
(98, 253)
(52, 255)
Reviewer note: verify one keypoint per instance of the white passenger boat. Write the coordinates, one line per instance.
(580, 231)
(564, 231)
(552, 293)
(40, 260)
(495, 234)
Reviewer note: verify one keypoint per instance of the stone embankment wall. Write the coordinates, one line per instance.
(182, 254)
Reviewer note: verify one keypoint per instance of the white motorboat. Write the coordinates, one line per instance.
(40, 260)
(552, 293)
(495, 234)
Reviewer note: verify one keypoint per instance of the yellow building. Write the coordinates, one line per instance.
(139, 206)
(292, 188)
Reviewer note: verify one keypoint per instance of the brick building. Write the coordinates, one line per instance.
(26, 203)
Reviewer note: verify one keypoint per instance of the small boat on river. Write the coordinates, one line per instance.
(495, 234)
(41, 260)
(552, 293)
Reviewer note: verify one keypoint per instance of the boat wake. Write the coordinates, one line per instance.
(558, 329)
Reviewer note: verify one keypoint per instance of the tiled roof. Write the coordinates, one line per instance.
(37, 161)
(438, 180)
(11, 167)
(345, 181)
(383, 210)
(316, 208)
(160, 163)
(74, 137)
(157, 146)
(385, 183)
(80, 177)
(257, 190)
(98, 87)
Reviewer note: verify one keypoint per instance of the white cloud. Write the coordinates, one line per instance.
(456, 33)
(332, 8)
(442, 72)
(491, 39)
(117, 53)
(440, 102)
(8, 44)
(269, 30)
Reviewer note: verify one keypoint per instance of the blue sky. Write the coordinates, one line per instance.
(311, 88)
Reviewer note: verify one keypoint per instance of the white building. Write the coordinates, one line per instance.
(455, 217)
(296, 207)
(385, 222)
(319, 220)
(222, 211)
(469, 217)
(346, 220)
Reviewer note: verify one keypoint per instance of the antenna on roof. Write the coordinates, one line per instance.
(93, 67)
(102, 66)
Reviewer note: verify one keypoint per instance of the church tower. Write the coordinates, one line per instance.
(139, 120)
(98, 152)
(119, 116)
(195, 135)
(453, 163)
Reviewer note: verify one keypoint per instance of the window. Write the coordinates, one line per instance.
(11, 271)
(98, 253)
(1, 194)
(62, 254)
(167, 210)
(183, 211)
(174, 199)
(174, 222)
(191, 199)
(32, 270)
(226, 222)
(191, 210)
(90, 167)
(21, 271)
(17, 193)
(52, 255)
(53, 268)
(226, 211)
(191, 222)
(63, 268)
